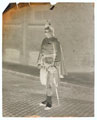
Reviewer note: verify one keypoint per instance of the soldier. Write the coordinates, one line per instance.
(49, 62)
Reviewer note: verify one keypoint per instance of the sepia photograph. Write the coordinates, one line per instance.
(48, 60)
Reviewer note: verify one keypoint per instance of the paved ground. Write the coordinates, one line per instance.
(22, 94)
(84, 79)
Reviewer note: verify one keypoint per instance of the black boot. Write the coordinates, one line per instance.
(43, 103)
(49, 103)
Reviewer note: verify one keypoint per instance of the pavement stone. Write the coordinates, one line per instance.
(22, 95)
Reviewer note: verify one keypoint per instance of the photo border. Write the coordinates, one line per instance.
(4, 4)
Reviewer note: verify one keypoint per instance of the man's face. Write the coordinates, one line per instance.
(47, 33)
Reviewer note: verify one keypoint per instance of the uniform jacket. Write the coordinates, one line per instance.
(51, 46)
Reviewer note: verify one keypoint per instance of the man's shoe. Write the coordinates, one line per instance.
(43, 103)
(48, 106)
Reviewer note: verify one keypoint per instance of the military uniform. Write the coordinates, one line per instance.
(50, 59)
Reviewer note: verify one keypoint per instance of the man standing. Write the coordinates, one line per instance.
(49, 62)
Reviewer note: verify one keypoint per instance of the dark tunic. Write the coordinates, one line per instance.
(51, 46)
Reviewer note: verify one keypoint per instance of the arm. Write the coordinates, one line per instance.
(57, 50)
(39, 60)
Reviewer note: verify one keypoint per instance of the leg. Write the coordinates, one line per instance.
(49, 91)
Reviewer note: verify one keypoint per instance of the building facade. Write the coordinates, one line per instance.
(23, 32)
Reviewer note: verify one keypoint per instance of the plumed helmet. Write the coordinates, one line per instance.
(49, 27)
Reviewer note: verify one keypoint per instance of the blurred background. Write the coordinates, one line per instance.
(23, 32)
